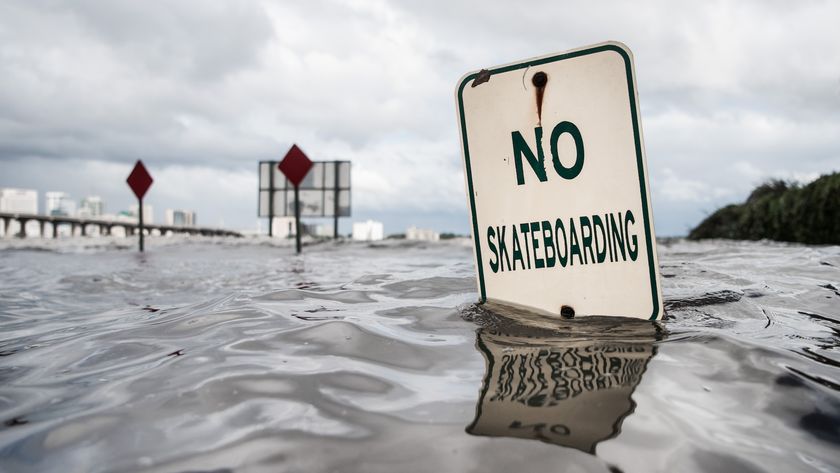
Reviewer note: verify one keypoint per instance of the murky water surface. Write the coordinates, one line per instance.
(240, 356)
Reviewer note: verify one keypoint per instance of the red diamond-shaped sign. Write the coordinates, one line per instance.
(139, 180)
(295, 165)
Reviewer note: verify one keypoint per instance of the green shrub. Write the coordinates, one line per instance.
(780, 211)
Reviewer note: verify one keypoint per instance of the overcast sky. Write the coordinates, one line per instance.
(732, 93)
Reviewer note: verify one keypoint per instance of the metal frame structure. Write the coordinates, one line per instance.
(275, 194)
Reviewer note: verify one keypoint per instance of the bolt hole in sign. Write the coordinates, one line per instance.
(557, 184)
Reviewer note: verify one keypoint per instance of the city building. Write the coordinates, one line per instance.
(91, 207)
(59, 204)
(24, 201)
(19, 201)
(368, 231)
(422, 234)
(180, 218)
(126, 216)
(148, 213)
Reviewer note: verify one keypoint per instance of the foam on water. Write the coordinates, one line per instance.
(237, 355)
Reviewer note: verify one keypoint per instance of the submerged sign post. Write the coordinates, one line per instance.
(557, 185)
(139, 181)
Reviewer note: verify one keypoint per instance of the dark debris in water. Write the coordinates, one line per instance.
(178, 352)
(151, 309)
(315, 318)
(15, 421)
(321, 309)
(830, 287)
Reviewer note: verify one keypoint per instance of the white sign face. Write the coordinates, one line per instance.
(557, 184)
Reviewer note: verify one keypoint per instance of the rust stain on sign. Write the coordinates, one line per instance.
(482, 77)
(539, 80)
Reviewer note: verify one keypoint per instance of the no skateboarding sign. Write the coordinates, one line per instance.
(557, 184)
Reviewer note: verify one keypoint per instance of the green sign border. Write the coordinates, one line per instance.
(631, 89)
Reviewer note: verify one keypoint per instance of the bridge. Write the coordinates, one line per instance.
(105, 226)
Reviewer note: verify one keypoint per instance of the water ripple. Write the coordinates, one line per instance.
(236, 356)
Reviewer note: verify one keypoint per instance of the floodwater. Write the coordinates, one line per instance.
(237, 355)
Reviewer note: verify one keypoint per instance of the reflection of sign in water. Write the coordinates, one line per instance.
(567, 390)
(318, 191)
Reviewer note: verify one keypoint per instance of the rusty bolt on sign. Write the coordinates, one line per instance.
(567, 312)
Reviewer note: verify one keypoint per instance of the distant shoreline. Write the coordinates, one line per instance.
(780, 211)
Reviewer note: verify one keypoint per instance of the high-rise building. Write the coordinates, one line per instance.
(24, 201)
(19, 201)
(59, 204)
(148, 212)
(180, 218)
(91, 207)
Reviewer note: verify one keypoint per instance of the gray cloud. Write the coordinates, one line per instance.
(731, 93)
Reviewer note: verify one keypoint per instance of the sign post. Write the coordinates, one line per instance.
(557, 185)
(336, 190)
(271, 206)
(297, 217)
(294, 166)
(139, 181)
